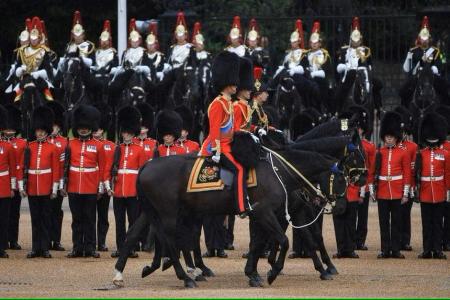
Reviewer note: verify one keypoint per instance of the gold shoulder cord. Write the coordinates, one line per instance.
(30, 61)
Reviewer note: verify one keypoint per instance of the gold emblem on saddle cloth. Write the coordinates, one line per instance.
(208, 174)
(32, 57)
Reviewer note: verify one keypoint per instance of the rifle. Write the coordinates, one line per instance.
(26, 166)
(417, 173)
(377, 166)
(115, 165)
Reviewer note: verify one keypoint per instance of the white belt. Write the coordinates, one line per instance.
(83, 170)
(128, 171)
(38, 172)
(432, 178)
(390, 178)
(4, 173)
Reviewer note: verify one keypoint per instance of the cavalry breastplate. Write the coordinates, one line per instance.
(239, 50)
(134, 56)
(103, 57)
(156, 58)
(32, 57)
(316, 59)
(354, 56)
(179, 54)
(294, 57)
(85, 48)
(201, 55)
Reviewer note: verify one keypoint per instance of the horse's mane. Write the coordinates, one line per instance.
(326, 144)
(311, 164)
(327, 129)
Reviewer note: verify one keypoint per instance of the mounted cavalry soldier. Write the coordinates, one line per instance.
(202, 57)
(241, 108)
(423, 55)
(433, 171)
(78, 45)
(393, 174)
(8, 181)
(57, 138)
(259, 118)
(168, 130)
(153, 57)
(225, 76)
(11, 135)
(259, 56)
(39, 180)
(181, 52)
(35, 60)
(235, 39)
(84, 169)
(121, 175)
(187, 116)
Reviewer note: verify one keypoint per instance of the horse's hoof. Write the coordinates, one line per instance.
(200, 278)
(207, 272)
(118, 279)
(332, 271)
(326, 276)
(271, 276)
(147, 270)
(167, 263)
(255, 282)
(189, 283)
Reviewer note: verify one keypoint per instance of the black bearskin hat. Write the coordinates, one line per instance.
(168, 122)
(391, 125)
(361, 117)
(147, 115)
(225, 70)
(187, 116)
(3, 117)
(246, 80)
(106, 116)
(85, 116)
(129, 120)
(14, 118)
(407, 119)
(43, 118)
(444, 110)
(59, 112)
(433, 127)
(300, 124)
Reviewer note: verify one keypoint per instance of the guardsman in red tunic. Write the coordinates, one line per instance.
(168, 130)
(103, 202)
(39, 180)
(121, 175)
(433, 170)
(143, 139)
(241, 108)
(356, 212)
(411, 148)
(187, 116)
(19, 144)
(60, 141)
(394, 181)
(225, 78)
(85, 170)
(8, 168)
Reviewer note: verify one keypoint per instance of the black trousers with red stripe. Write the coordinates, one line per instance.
(432, 226)
(389, 215)
(40, 211)
(83, 208)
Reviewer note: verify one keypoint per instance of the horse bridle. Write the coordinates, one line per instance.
(348, 171)
(73, 78)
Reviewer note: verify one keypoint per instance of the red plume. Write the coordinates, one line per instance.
(355, 23)
(153, 28)
(316, 27)
(28, 24)
(425, 23)
(236, 22)
(197, 28)
(36, 23)
(132, 25)
(107, 26)
(299, 28)
(180, 19)
(253, 25)
(76, 18)
(257, 73)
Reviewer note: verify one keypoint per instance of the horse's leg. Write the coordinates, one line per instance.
(331, 269)
(130, 242)
(156, 263)
(311, 247)
(198, 260)
(257, 243)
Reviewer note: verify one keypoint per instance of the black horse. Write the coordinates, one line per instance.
(286, 99)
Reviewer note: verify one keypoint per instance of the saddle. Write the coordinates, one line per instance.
(206, 175)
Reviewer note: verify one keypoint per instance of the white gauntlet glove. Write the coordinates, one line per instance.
(319, 73)
(87, 61)
(262, 132)
(142, 69)
(160, 75)
(435, 70)
(296, 70)
(341, 68)
(216, 157)
(39, 74)
(19, 71)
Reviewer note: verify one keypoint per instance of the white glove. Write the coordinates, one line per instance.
(262, 132)
(142, 69)
(216, 158)
(297, 70)
(319, 73)
(341, 68)
(19, 71)
(368, 86)
(280, 68)
(39, 74)
(448, 196)
(409, 55)
(160, 75)
(167, 68)
(435, 70)
(87, 61)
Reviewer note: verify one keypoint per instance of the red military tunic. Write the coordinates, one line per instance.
(189, 146)
(220, 114)
(43, 169)
(446, 145)
(394, 179)
(411, 148)
(242, 116)
(132, 158)
(87, 164)
(148, 144)
(174, 149)
(435, 175)
(61, 143)
(354, 192)
(19, 146)
(8, 168)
